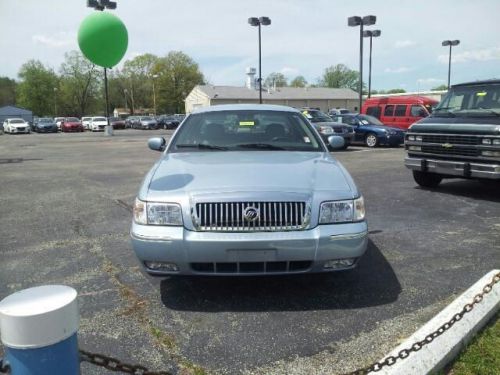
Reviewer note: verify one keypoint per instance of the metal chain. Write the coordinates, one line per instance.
(116, 365)
(4, 368)
(405, 353)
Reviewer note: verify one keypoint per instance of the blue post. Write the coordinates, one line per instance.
(38, 328)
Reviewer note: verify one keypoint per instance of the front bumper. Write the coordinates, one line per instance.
(392, 140)
(186, 248)
(454, 168)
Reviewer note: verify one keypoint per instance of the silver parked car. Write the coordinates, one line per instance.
(247, 190)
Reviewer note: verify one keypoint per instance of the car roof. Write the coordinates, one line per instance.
(245, 107)
(483, 82)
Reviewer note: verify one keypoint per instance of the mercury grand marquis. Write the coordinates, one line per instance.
(247, 190)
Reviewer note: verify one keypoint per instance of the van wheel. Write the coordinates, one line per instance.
(371, 140)
(425, 179)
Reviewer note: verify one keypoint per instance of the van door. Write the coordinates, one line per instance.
(401, 118)
(387, 117)
(417, 112)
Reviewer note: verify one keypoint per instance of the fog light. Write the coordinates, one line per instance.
(339, 263)
(161, 266)
(491, 153)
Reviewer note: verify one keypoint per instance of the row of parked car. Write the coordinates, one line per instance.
(151, 122)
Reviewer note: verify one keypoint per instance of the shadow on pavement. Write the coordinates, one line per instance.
(372, 283)
(486, 190)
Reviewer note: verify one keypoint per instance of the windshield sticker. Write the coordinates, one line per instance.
(247, 123)
(307, 114)
(307, 140)
(364, 122)
(481, 94)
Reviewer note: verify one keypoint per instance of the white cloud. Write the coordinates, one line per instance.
(429, 81)
(486, 54)
(401, 69)
(58, 40)
(404, 43)
(289, 71)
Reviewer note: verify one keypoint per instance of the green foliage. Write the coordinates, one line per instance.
(298, 81)
(440, 88)
(36, 89)
(340, 76)
(276, 79)
(7, 91)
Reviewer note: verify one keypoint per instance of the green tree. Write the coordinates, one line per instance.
(298, 81)
(440, 88)
(396, 91)
(36, 89)
(276, 79)
(137, 79)
(340, 76)
(80, 90)
(7, 91)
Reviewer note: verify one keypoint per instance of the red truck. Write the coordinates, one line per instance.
(399, 111)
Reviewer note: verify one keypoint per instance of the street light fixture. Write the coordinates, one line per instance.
(370, 34)
(450, 43)
(261, 21)
(361, 22)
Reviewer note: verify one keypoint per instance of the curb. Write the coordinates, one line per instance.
(434, 356)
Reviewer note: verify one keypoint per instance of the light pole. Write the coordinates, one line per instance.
(154, 76)
(55, 101)
(450, 43)
(361, 21)
(265, 21)
(370, 34)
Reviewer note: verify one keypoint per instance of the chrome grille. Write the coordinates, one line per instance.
(229, 216)
(460, 151)
(454, 139)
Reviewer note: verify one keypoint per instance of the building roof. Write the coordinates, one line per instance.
(245, 107)
(283, 93)
(11, 110)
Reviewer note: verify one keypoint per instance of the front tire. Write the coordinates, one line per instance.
(371, 140)
(428, 180)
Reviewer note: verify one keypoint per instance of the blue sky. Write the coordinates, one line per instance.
(304, 38)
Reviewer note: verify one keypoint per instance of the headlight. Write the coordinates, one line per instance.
(411, 137)
(486, 141)
(496, 141)
(325, 130)
(418, 138)
(491, 153)
(147, 213)
(342, 211)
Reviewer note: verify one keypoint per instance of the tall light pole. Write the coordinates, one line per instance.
(450, 43)
(361, 22)
(154, 76)
(370, 34)
(55, 101)
(265, 21)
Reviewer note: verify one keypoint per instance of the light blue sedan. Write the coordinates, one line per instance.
(247, 190)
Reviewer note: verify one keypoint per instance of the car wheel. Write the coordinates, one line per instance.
(425, 179)
(371, 140)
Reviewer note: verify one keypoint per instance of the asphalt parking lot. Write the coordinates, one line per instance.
(65, 213)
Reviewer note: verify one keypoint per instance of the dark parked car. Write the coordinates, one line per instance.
(327, 127)
(370, 131)
(146, 122)
(117, 123)
(45, 125)
(71, 124)
(169, 122)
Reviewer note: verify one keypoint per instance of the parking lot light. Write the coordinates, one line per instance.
(450, 43)
(265, 21)
(355, 21)
(370, 34)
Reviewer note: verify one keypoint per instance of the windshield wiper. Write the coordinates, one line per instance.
(202, 146)
(263, 146)
(446, 110)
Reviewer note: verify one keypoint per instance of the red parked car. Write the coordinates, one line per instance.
(71, 124)
(117, 123)
(399, 111)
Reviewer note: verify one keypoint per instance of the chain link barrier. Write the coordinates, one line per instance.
(116, 365)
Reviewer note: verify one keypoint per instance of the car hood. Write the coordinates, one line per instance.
(19, 125)
(382, 127)
(72, 123)
(247, 173)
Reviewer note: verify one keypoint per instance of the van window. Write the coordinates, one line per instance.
(400, 110)
(373, 111)
(389, 110)
(417, 111)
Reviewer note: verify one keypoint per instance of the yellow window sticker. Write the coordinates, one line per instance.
(306, 113)
(247, 123)
(481, 93)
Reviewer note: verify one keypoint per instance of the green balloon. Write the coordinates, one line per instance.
(103, 39)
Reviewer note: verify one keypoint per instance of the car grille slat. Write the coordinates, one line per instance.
(460, 151)
(453, 139)
(229, 216)
(252, 267)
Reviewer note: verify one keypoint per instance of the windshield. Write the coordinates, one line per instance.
(146, 118)
(72, 119)
(483, 100)
(367, 119)
(17, 121)
(246, 130)
(45, 119)
(317, 116)
(99, 119)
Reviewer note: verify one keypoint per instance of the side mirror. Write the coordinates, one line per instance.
(336, 142)
(157, 143)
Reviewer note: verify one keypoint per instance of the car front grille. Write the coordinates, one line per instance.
(454, 139)
(459, 151)
(233, 216)
(252, 267)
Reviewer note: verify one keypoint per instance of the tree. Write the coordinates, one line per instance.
(340, 76)
(440, 88)
(396, 91)
(7, 91)
(81, 90)
(276, 80)
(137, 75)
(36, 89)
(298, 81)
